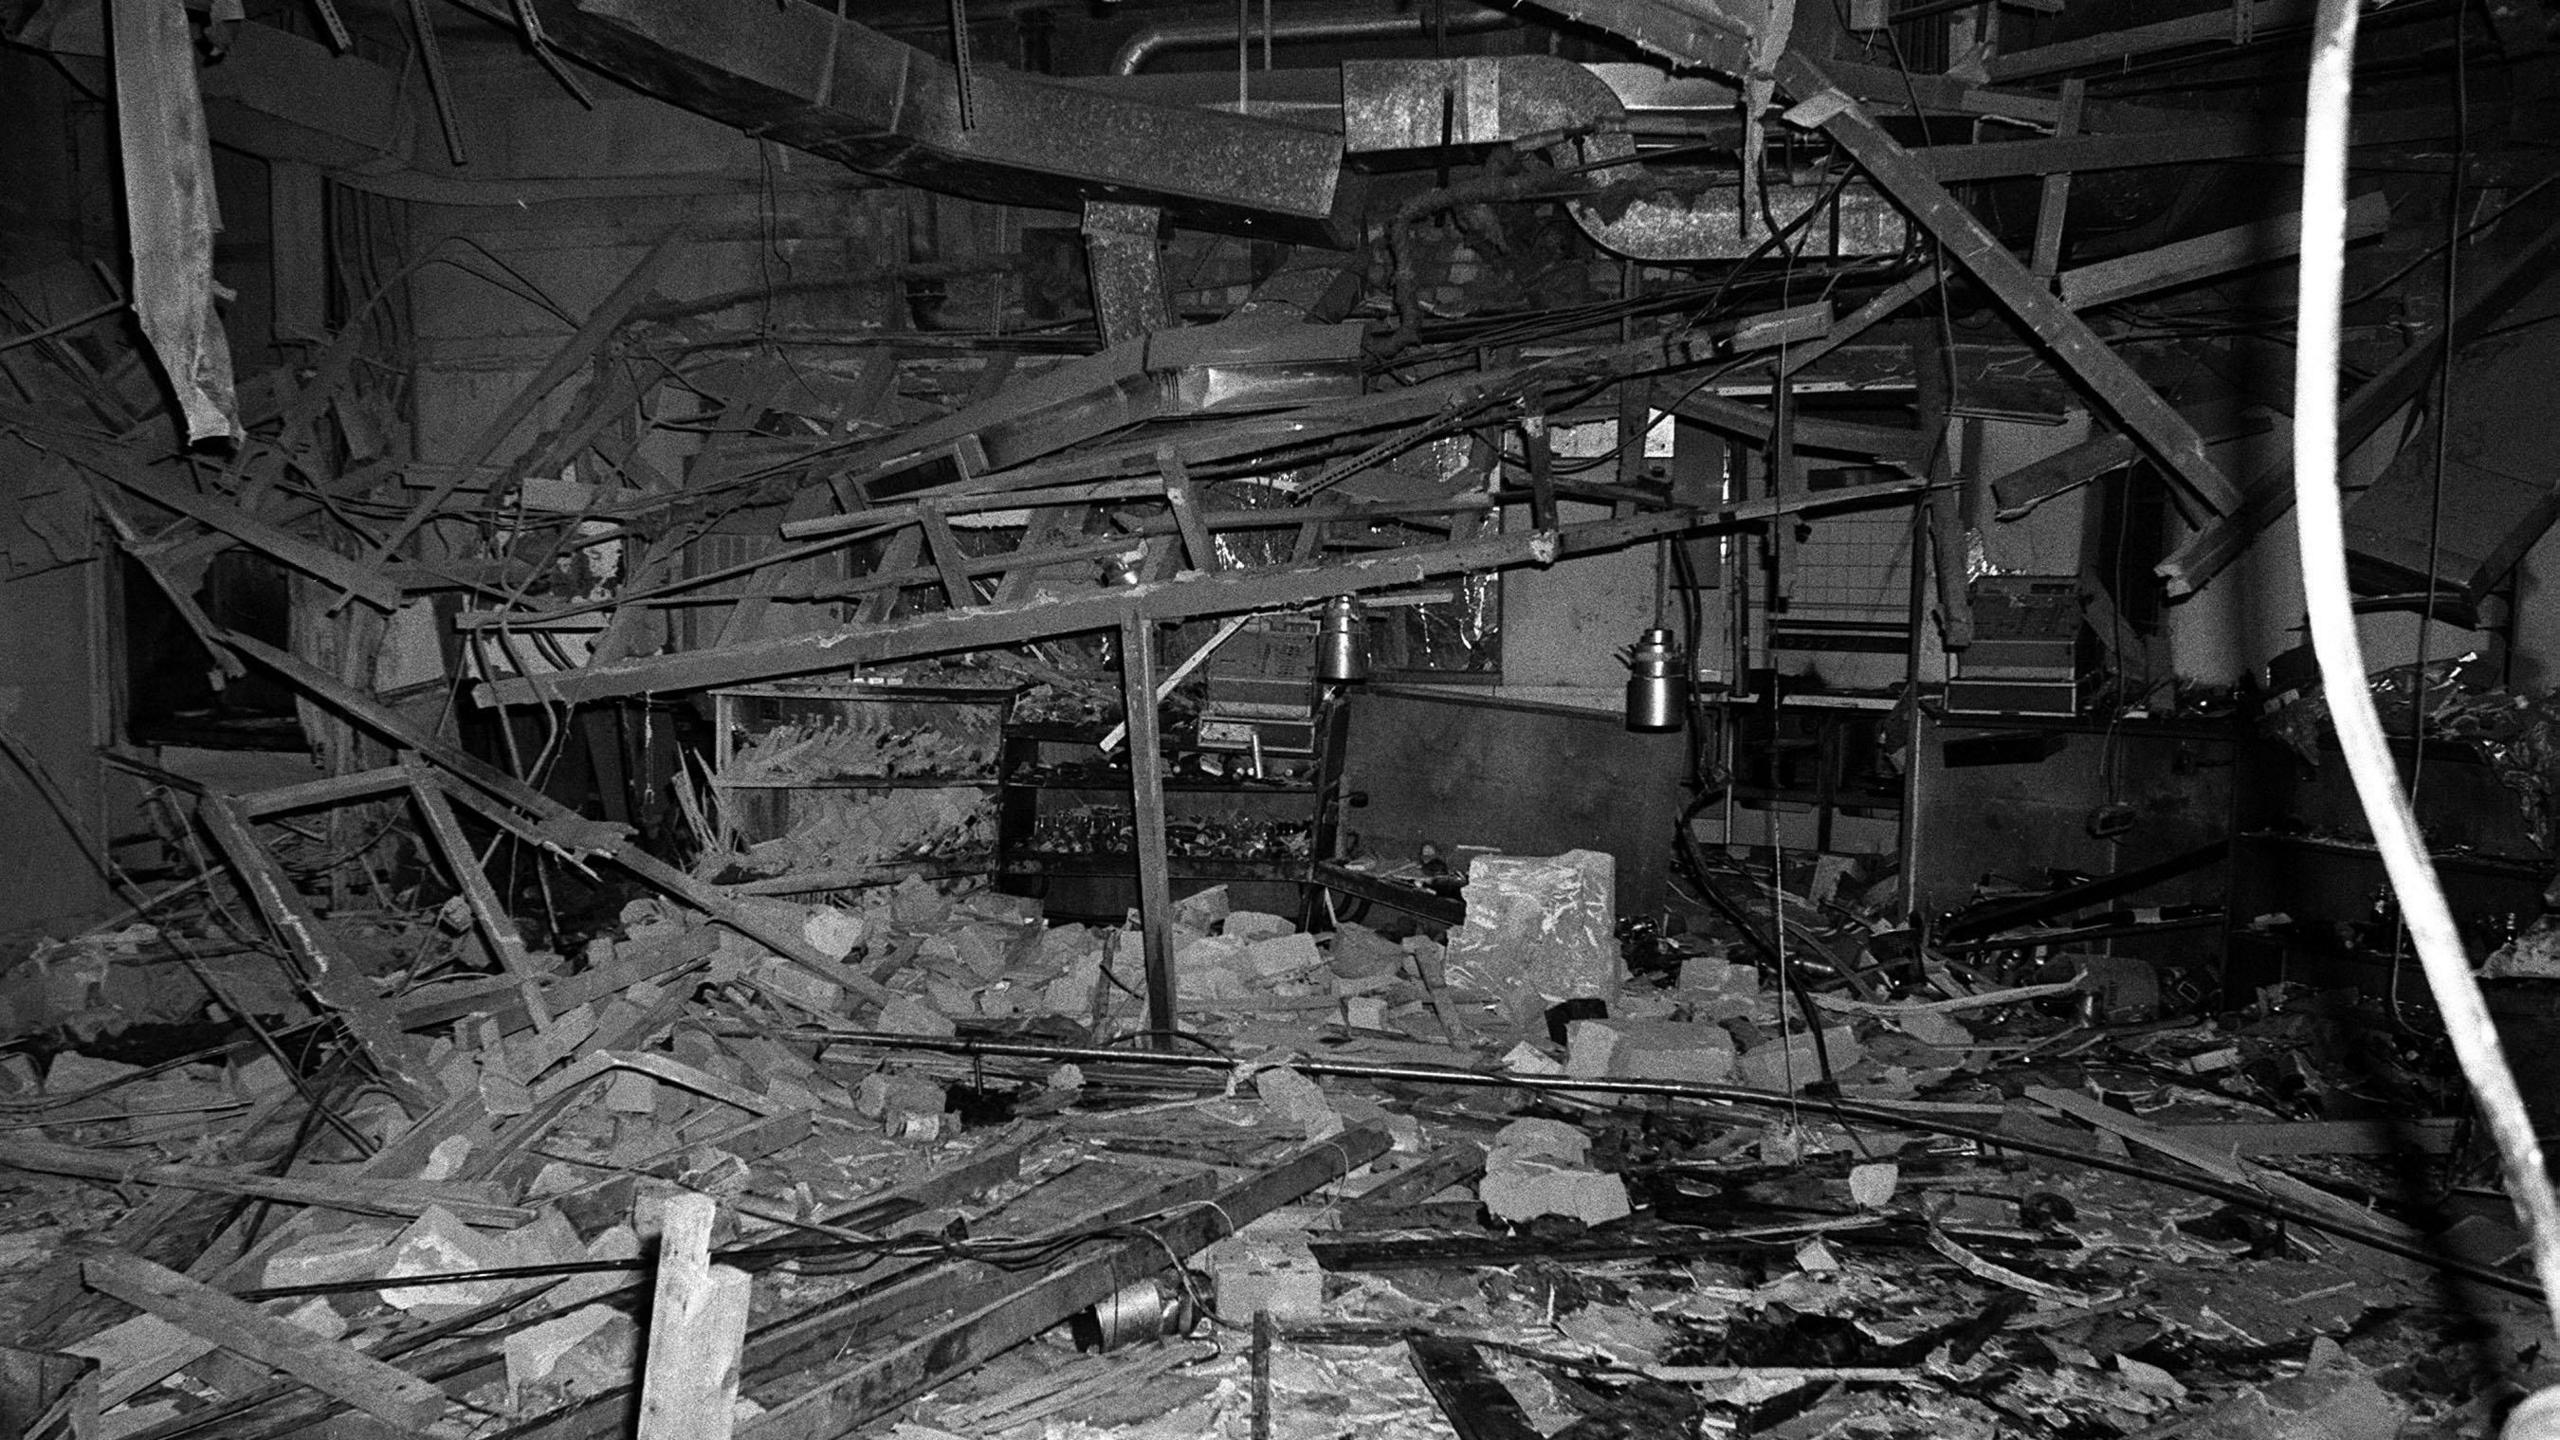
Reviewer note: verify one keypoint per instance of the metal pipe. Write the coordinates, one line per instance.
(1340, 23)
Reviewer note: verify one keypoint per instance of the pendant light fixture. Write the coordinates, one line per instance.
(1342, 642)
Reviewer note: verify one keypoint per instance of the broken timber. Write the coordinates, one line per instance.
(538, 818)
(384, 1391)
(2165, 433)
(1227, 592)
(870, 1387)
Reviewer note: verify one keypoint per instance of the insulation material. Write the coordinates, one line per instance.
(168, 187)
(1539, 929)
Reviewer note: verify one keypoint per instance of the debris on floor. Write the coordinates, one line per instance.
(1378, 1185)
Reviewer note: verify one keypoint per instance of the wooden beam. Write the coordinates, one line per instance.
(697, 1324)
(368, 583)
(340, 1371)
(874, 1384)
(507, 800)
(1146, 787)
(409, 1199)
(1865, 318)
(2047, 260)
(328, 790)
(1197, 543)
(2260, 242)
(444, 834)
(331, 977)
(1228, 592)
(948, 562)
(2263, 138)
(2214, 27)
(2103, 373)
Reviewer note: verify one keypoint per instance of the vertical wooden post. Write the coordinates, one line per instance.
(1146, 786)
(2046, 260)
(697, 1326)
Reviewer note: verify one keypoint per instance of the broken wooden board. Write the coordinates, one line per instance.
(1226, 592)
(339, 1370)
(2203, 488)
(872, 1385)
(352, 1196)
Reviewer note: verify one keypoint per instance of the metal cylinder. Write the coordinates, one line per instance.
(1342, 649)
(1151, 1309)
(1657, 683)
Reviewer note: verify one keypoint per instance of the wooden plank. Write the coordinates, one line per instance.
(2260, 242)
(1146, 784)
(496, 927)
(2216, 26)
(898, 1294)
(1196, 541)
(507, 800)
(648, 961)
(350, 1196)
(1475, 1402)
(367, 582)
(1228, 592)
(2056, 199)
(2136, 406)
(1865, 318)
(2431, 1136)
(328, 790)
(875, 1384)
(340, 1371)
(2261, 138)
(1449, 1165)
(948, 561)
(697, 1322)
(332, 978)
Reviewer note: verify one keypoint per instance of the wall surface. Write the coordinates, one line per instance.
(1524, 780)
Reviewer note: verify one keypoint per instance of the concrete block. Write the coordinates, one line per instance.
(906, 1015)
(832, 932)
(1260, 1275)
(1360, 953)
(1541, 1138)
(1252, 925)
(1280, 955)
(1767, 1066)
(1668, 1050)
(1589, 1047)
(1518, 1189)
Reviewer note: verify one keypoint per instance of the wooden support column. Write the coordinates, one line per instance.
(1196, 540)
(1930, 369)
(2047, 262)
(496, 927)
(948, 562)
(697, 1328)
(1146, 786)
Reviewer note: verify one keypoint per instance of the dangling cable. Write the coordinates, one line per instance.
(2333, 637)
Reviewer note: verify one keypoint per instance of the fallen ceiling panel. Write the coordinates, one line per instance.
(800, 75)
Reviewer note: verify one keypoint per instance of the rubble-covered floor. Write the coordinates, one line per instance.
(2026, 1224)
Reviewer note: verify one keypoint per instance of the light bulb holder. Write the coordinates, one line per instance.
(1657, 684)
(1342, 644)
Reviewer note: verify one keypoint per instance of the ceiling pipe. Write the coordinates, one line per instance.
(1337, 23)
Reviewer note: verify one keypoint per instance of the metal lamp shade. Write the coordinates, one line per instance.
(1657, 684)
